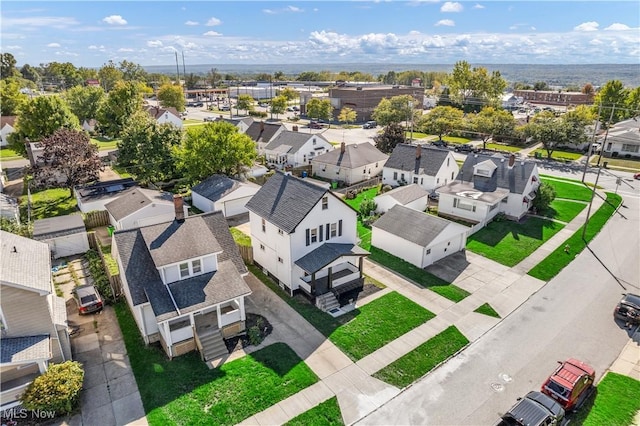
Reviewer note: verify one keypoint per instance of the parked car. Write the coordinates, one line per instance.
(225, 108)
(465, 147)
(440, 143)
(295, 108)
(535, 409)
(628, 309)
(263, 105)
(570, 384)
(315, 125)
(636, 176)
(210, 119)
(87, 298)
(290, 109)
(370, 125)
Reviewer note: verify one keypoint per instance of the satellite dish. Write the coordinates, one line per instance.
(512, 160)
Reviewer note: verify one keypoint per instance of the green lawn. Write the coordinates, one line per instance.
(486, 309)
(364, 233)
(240, 237)
(571, 191)
(563, 210)
(105, 144)
(7, 154)
(508, 242)
(500, 147)
(415, 364)
(49, 203)
(417, 275)
(455, 139)
(378, 323)
(121, 171)
(326, 413)
(616, 402)
(185, 391)
(627, 164)
(416, 135)
(558, 259)
(368, 194)
(557, 155)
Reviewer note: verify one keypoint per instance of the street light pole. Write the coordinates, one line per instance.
(593, 140)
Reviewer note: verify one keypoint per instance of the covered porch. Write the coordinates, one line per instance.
(23, 359)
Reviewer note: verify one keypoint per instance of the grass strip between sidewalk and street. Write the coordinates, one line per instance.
(185, 391)
(415, 364)
(616, 402)
(326, 413)
(417, 275)
(569, 249)
(486, 309)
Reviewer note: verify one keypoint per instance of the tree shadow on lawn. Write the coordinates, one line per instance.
(531, 227)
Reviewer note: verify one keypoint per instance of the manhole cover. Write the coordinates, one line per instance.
(497, 387)
(505, 377)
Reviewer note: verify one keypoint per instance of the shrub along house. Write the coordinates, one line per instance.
(426, 166)
(183, 281)
(305, 237)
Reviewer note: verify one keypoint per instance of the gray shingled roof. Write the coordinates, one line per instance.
(142, 276)
(58, 226)
(403, 157)
(215, 187)
(28, 265)
(354, 156)
(133, 200)
(24, 349)
(327, 253)
(290, 142)
(285, 200)
(406, 194)
(411, 225)
(514, 179)
(259, 131)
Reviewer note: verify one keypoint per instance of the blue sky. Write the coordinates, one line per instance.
(320, 32)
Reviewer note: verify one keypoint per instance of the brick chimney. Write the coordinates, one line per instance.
(343, 147)
(178, 204)
(418, 151)
(295, 128)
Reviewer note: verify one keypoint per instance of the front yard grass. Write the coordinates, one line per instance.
(616, 402)
(417, 275)
(557, 155)
(508, 242)
(49, 203)
(558, 259)
(486, 309)
(105, 144)
(568, 190)
(378, 323)
(500, 147)
(415, 364)
(366, 194)
(563, 210)
(186, 391)
(7, 154)
(326, 413)
(455, 139)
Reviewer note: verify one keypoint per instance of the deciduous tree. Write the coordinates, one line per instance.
(392, 135)
(547, 129)
(610, 101)
(11, 97)
(471, 88)
(8, 65)
(347, 115)
(289, 93)
(85, 101)
(441, 121)
(122, 102)
(278, 105)
(490, 122)
(109, 75)
(320, 109)
(395, 109)
(171, 95)
(245, 102)
(40, 117)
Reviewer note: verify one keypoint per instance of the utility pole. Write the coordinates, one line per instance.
(593, 140)
(593, 194)
(606, 133)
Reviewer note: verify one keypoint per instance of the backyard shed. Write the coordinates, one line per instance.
(66, 235)
(221, 193)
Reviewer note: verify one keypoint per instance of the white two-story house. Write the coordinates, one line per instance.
(295, 149)
(184, 282)
(427, 166)
(305, 237)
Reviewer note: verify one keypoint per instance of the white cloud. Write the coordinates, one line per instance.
(53, 45)
(587, 26)
(191, 23)
(294, 9)
(445, 23)
(478, 6)
(154, 43)
(617, 27)
(13, 47)
(451, 7)
(212, 22)
(94, 47)
(125, 49)
(596, 42)
(115, 20)
(212, 34)
(269, 11)
(58, 22)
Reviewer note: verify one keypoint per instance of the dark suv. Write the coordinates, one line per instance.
(440, 143)
(315, 125)
(465, 147)
(535, 409)
(628, 309)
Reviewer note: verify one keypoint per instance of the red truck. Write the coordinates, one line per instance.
(570, 384)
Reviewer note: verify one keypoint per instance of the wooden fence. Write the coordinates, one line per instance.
(96, 218)
(247, 254)
(114, 280)
(362, 185)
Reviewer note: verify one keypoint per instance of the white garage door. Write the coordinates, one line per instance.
(69, 245)
(235, 207)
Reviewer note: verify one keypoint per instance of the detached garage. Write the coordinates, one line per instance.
(412, 196)
(221, 193)
(66, 235)
(419, 238)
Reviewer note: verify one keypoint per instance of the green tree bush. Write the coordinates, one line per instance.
(546, 194)
(56, 390)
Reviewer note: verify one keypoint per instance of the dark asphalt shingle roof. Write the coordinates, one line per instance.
(418, 227)
(403, 157)
(145, 284)
(24, 349)
(133, 200)
(285, 200)
(215, 187)
(327, 253)
(290, 142)
(259, 131)
(58, 226)
(515, 179)
(354, 156)
(101, 190)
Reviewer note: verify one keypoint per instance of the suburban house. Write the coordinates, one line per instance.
(221, 193)
(412, 196)
(510, 101)
(262, 133)
(419, 238)
(183, 281)
(9, 208)
(295, 149)
(96, 195)
(622, 140)
(138, 207)
(488, 185)
(32, 318)
(350, 164)
(242, 124)
(305, 237)
(7, 126)
(89, 125)
(165, 115)
(65, 235)
(427, 166)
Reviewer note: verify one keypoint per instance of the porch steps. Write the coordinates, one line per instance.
(327, 302)
(213, 345)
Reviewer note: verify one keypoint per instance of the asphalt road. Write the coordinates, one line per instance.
(569, 317)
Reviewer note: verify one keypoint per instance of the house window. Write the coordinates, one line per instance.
(395, 175)
(314, 235)
(447, 161)
(196, 265)
(262, 247)
(402, 176)
(451, 175)
(376, 165)
(630, 147)
(428, 251)
(609, 144)
(280, 260)
(184, 270)
(3, 323)
(334, 229)
(437, 180)
(280, 232)
(264, 225)
(325, 203)
(314, 141)
(463, 205)
(415, 179)
(421, 181)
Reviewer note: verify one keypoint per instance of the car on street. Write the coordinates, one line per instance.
(225, 108)
(315, 125)
(87, 298)
(290, 109)
(628, 309)
(370, 125)
(465, 147)
(636, 176)
(440, 143)
(534, 409)
(210, 118)
(570, 384)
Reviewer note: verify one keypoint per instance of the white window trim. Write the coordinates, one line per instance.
(190, 264)
(3, 322)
